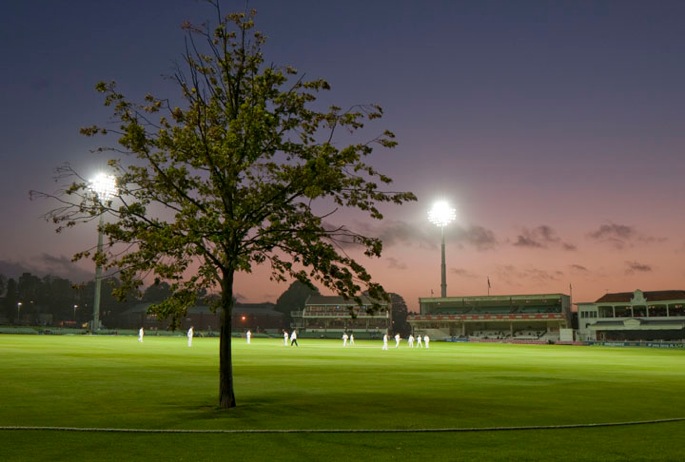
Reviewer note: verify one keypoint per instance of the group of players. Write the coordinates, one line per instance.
(347, 339)
(420, 341)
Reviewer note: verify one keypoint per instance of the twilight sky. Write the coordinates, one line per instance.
(555, 128)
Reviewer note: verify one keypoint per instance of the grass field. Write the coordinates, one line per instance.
(320, 402)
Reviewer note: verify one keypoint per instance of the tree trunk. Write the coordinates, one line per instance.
(226, 394)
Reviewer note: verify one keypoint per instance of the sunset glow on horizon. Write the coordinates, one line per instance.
(554, 130)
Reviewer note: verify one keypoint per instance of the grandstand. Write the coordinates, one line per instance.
(515, 318)
(634, 316)
(330, 316)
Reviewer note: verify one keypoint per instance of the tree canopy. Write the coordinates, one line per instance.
(244, 171)
(294, 298)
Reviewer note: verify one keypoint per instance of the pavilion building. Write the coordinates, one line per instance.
(630, 316)
(536, 318)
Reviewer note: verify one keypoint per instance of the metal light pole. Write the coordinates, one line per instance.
(104, 187)
(18, 312)
(442, 215)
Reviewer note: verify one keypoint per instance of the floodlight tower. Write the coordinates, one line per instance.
(442, 215)
(103, 187)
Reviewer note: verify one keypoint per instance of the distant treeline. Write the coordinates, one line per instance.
(55, 301)
(52, 300)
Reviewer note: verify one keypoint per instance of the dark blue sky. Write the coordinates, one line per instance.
(556, 128)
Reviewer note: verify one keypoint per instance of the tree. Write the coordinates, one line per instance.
(30, 287)
(111, 304)
(157, 292)
(294, 298)
(113, 301)
(245, 171)
(11, 299)
(399, 315)
(58, 296)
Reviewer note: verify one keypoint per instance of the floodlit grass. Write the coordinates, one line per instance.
(117, 383)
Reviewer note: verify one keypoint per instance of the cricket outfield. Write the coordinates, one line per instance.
(113, 398)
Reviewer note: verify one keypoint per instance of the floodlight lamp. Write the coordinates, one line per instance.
(441, 214)
(104, 186)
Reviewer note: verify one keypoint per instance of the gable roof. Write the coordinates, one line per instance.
(651, 296)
